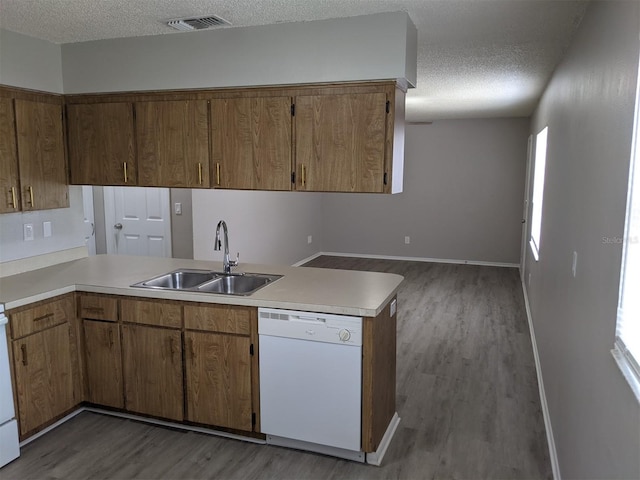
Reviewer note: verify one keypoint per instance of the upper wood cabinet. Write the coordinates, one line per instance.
(9, 176)
(41, 154)
(33, 165)
(173, 143)
(101, 144)
(340, 142)
(252, 143)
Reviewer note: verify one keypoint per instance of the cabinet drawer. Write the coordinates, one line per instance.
(219, 318)
(41, 316)
(98, 307)
(151, 312)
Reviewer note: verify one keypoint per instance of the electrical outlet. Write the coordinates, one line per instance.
(46, 229)
(309, 239)
(574, 263)
(28, 232)
(407, 240)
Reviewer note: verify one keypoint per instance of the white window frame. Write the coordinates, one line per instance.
(538, 191)
(626, 350)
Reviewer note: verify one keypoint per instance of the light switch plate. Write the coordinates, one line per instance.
(309, 239)
(178, 208)
(46, 229)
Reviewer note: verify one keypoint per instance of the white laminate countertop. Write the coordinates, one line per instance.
(343, 292)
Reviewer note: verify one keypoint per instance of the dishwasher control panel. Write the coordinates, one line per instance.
(315, 327)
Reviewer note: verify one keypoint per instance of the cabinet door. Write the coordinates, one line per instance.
(218, 368)
(44, 378)
(101, 148)
(43, 168)
(340, 142)
(103, 363)
(252, 143)
(173, 143)
(10, 197)
(152, 363)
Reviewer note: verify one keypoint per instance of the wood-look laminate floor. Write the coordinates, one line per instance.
(467, 397)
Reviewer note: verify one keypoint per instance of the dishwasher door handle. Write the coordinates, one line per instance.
(298, 318)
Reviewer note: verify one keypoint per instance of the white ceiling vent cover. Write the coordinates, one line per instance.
(198, 23)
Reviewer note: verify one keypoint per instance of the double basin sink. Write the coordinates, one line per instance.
(206, 281)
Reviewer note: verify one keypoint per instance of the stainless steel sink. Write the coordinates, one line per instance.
(178, 280)
(237, 284)
(205, 281)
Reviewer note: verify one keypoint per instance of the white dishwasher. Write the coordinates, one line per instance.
(9, 449)
(311, 381)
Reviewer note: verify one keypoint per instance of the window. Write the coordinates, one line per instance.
(627, 346)
(538, 191)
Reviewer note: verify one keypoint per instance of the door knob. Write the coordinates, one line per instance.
(118, 226)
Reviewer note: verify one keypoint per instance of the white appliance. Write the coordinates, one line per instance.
(311, 381)
(9, 448)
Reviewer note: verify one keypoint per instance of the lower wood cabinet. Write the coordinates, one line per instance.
(103, 365)
(218, 380)
(152, 367)
(44, 376)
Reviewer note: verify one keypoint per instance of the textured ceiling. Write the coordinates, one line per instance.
(476, 58)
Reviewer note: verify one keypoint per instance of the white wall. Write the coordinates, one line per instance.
(31, 63)
(265, 227)
(369, 47)
(462, 199)
(66, 223)
(588, 106)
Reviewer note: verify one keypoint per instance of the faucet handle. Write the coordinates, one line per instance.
(234, 263)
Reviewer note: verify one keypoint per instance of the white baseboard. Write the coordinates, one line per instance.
(416, 259)
(308, 259)
(375, 458)
(553, 455)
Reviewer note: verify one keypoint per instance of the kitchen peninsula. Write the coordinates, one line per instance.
(82, 324)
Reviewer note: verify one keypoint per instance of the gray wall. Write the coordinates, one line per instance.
(462, 200)
(31, 63)
(181, 225)
(589, 108)
(265, 227)
(369, 47)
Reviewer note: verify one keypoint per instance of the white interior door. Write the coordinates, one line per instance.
(525, 209)
(89, 227)
(138, 221)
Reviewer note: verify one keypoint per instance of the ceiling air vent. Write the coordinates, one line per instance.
(198, 23)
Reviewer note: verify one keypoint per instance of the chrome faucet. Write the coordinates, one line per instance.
(227, 263)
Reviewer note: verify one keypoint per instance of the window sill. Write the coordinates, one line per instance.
(628, 372)
(534, 250)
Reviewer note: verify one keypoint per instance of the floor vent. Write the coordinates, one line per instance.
(198, 23)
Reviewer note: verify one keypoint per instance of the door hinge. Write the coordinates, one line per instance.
(251, 349)
(388, 107)
(384, 180)
(253, 418)
(293, 177)
(293, 109)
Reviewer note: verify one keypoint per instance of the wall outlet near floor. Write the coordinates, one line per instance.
(574, 263)
(28, 232)
(309, 239)
(407, 240)
(529, 280)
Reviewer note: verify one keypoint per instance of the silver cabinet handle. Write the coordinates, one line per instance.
(118, 226)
